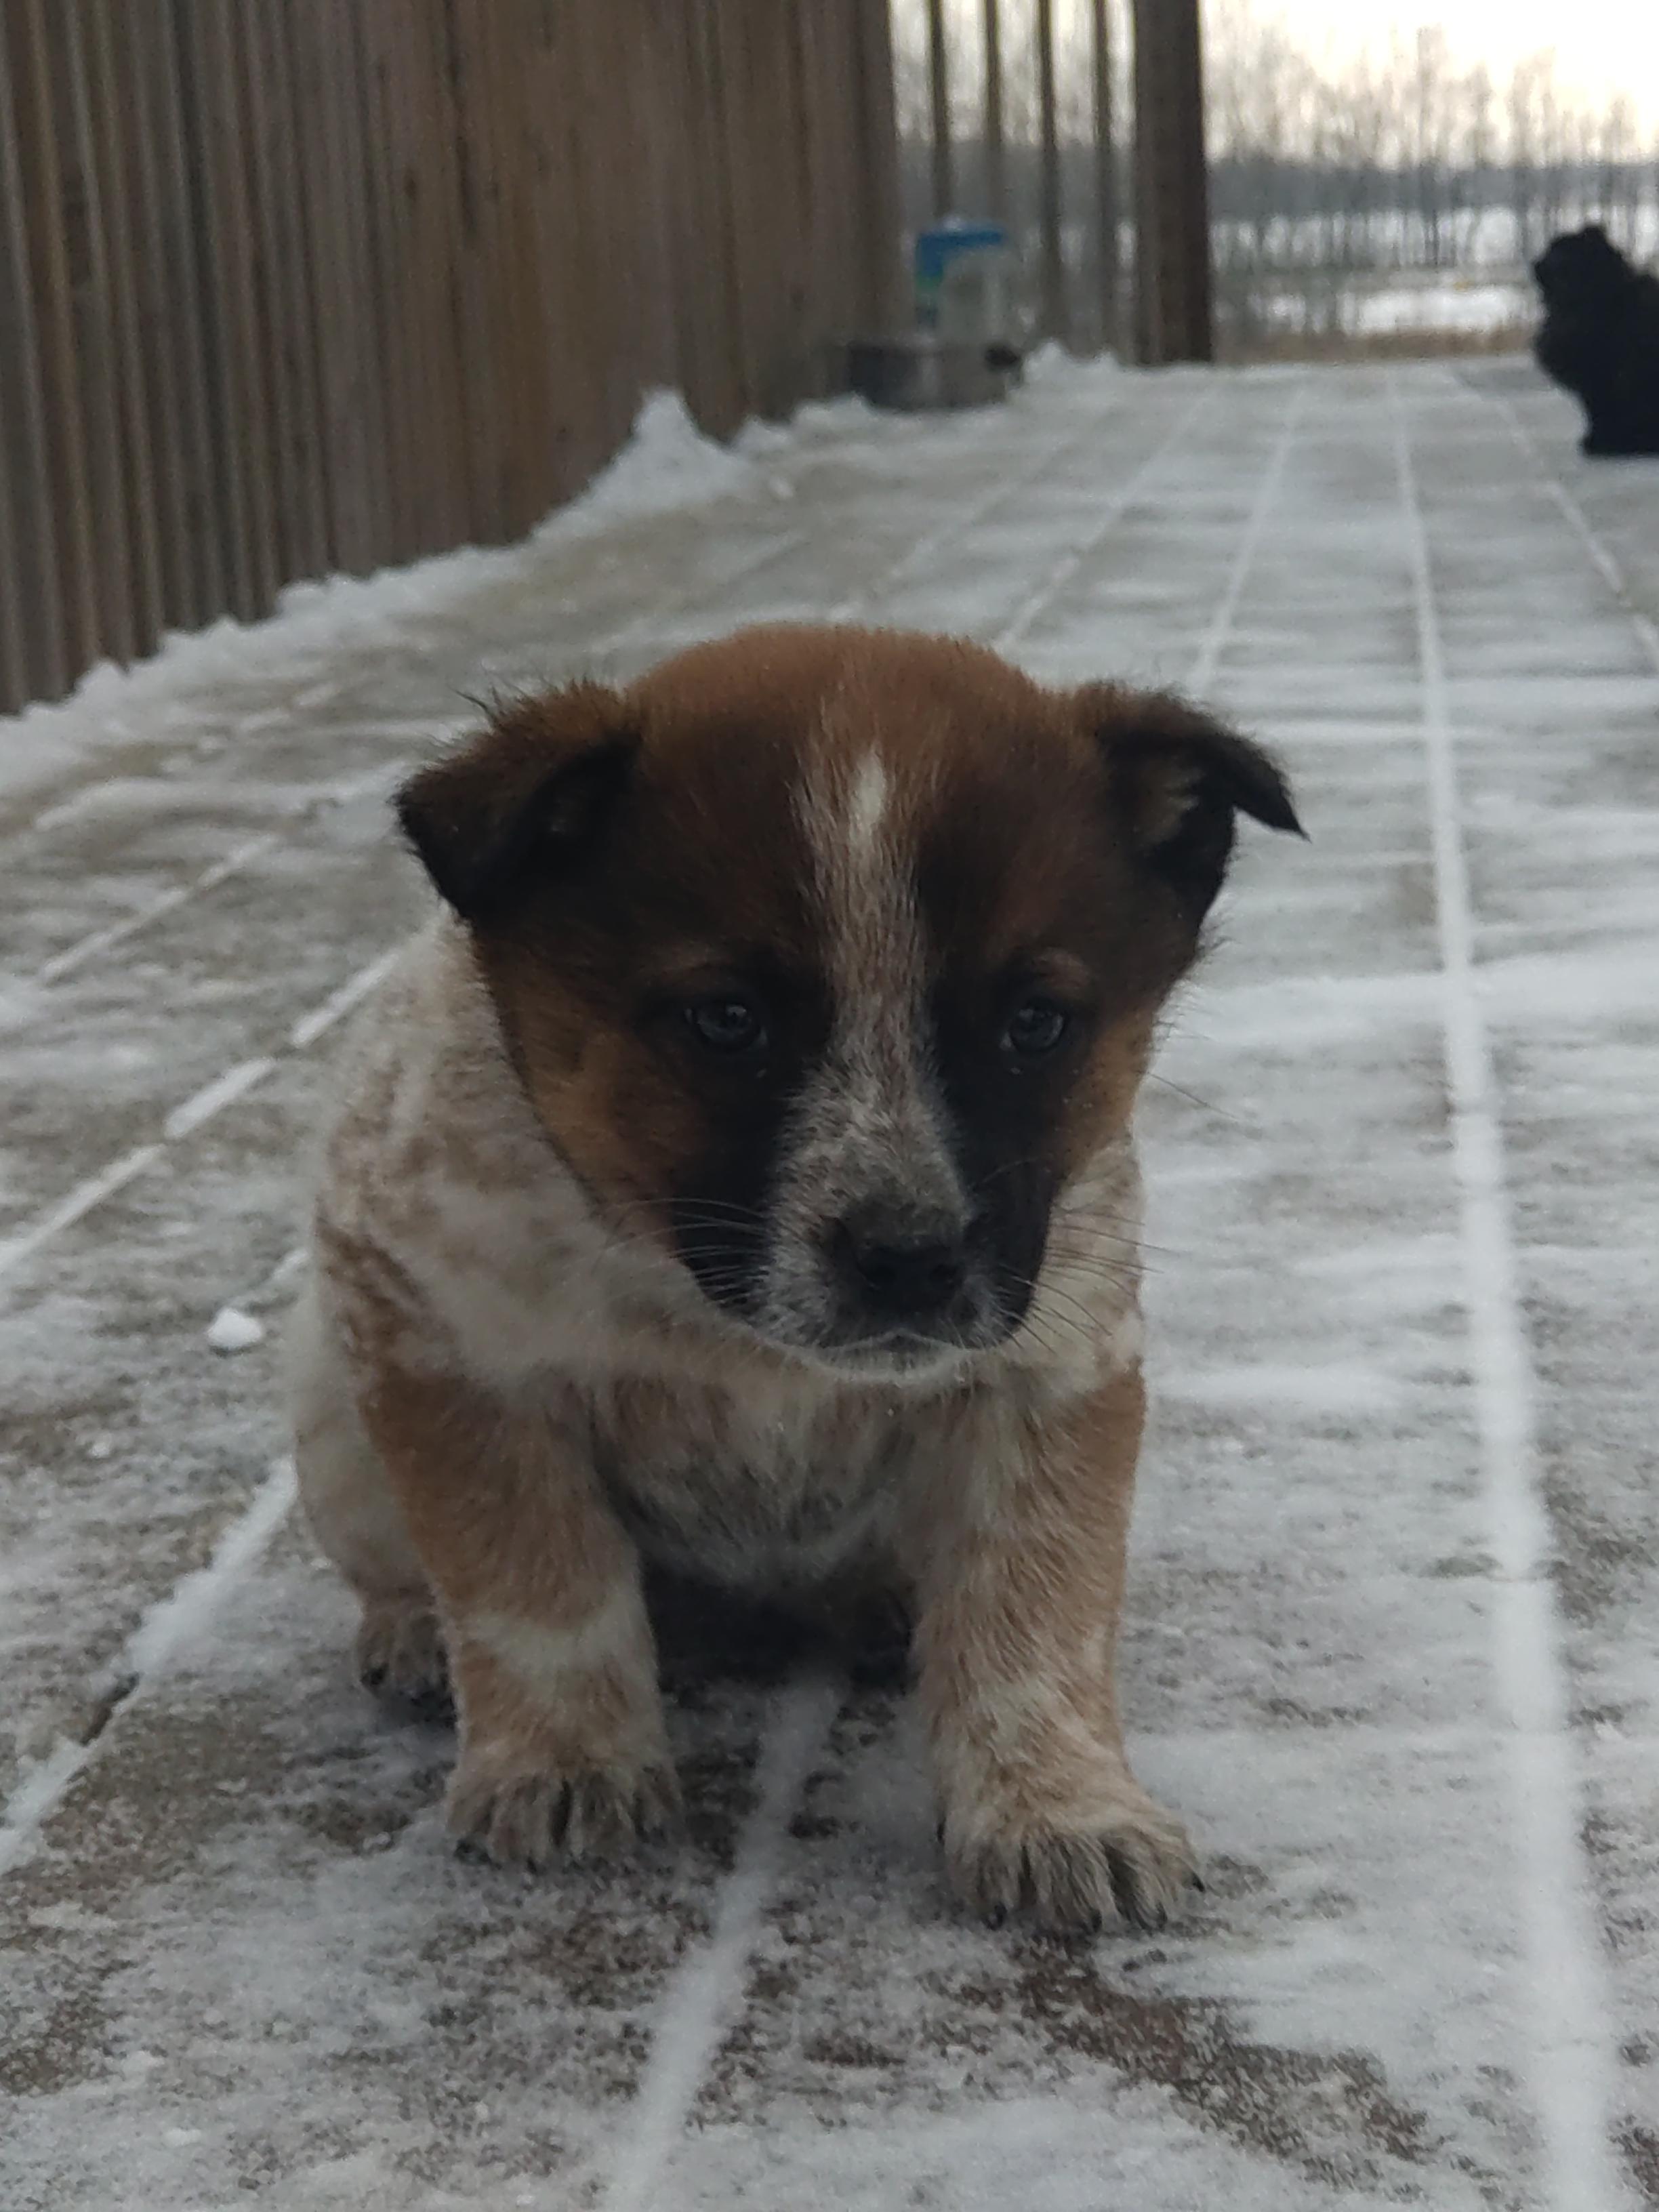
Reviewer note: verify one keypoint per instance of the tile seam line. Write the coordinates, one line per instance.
(237, 1080)
(165, 1629)
(706, 1994)
(669, 2097)
(1594, 544)
(111, 937)
(1571, 2059)
(1214, 641)
(1122, 502)
(1012, 482)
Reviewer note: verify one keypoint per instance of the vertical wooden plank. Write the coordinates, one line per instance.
(742, 244)
(1056, 320)
(658, 93)
(161, 340)
(276, 140)
(431, 196)
(873, 182)
(31, 36)
(838, 94)
(728, 297)
(175, 321)
(516, 45)
(427, 476)
(326, 79)
(706, 305)
(348, 110)
(15, 555)
(248, 257)
(996, 152)
(473, 300)
(202, 95)
(576, 252)
(1107, 271)
(420, 437)
(498, 58)
(1173, 316)
(819, 93)
(939, 111)
(599, 371)
(96, 345)
(635, 281)
(384, 304)
(114, 118)
(36, 653)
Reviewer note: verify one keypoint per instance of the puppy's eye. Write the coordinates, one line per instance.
(726, 1022)
(1034, 1027)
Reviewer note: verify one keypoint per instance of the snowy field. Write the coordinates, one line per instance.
(1393, 1642)
(1470, 305)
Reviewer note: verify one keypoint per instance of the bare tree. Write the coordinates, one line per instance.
(1328, 169)
(1616, 176)
(1430, 92)
(1474, 143)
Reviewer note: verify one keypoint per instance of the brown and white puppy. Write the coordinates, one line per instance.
(737, 1175)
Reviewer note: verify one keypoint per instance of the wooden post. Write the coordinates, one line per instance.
(1052, 263)
(939, 86)
(996, 155)
(1106, 245)
(1173, 319)
(882, 282)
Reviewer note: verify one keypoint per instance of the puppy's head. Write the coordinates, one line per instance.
(829, 958)
(1580, 266)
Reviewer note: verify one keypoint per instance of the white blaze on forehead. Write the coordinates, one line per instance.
(866, 805)
(869, 1124)
(872, 942)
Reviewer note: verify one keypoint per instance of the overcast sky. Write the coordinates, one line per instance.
(1602, 46)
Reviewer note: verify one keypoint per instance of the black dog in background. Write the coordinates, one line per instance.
(1600, 339)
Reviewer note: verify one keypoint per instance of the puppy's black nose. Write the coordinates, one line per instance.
(900, 1271)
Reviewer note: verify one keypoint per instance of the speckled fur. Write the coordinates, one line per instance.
(509, 1391)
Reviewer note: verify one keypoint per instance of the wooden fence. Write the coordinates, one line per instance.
(293, 286)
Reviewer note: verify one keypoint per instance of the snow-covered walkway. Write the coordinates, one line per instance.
(1394, 1631)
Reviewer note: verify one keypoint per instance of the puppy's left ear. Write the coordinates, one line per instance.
(1179, 778)
(522, 801)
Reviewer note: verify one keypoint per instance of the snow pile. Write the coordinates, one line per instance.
(232, 1330)
(666, 465)
(1051, 369)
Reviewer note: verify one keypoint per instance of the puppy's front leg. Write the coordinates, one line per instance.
(1018, 1559)
(562, 1743)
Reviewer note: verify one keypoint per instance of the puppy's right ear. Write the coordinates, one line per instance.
(521, 801)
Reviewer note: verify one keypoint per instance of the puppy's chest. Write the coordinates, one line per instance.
(760, 1491)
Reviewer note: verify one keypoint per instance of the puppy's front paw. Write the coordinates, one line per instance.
(530, 1816)
(401, 1658)
(1125, 1860)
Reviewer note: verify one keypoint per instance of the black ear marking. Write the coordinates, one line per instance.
(524, 797)
(1181, 778)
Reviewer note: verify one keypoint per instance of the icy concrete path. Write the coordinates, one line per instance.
(1393, 1643)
